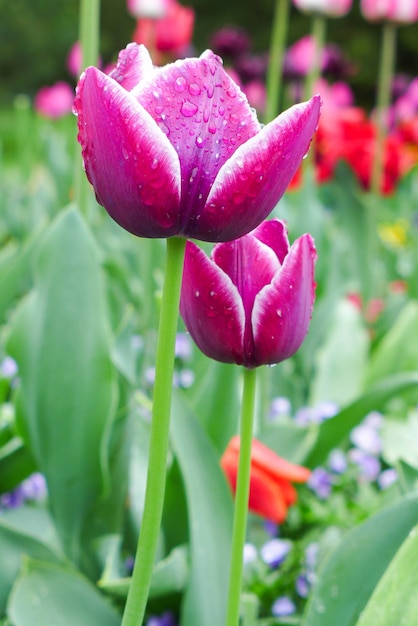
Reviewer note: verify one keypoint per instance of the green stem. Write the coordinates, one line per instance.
(386, 69)
(318, 31)
(89, 42)
(241, 497)
(275, 68)
(160, 426)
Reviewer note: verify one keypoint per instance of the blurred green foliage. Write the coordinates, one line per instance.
(35, 38)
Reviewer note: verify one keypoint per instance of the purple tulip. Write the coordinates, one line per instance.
(251, 302)
(177, 150)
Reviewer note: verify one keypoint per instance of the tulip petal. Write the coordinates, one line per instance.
(256, 176)
(211, 307)
(273, 233)
(206, 118)
(134, 64)
(282, 310)
(133, 167)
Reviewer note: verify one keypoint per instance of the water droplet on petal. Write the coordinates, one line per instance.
(188, 108)
(234, 118)
(180, 84)
(154, 164)
(125, 153)
(194, 89)
(211, 313)
(212, 127)
(209, 90)
(200, 141)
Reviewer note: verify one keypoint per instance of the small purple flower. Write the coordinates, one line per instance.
(250, 553)
(271, 528)
(282, 607)
(183, 349)
(275, 551)
(337, 461)
(320, 482)
(368, 465)
(166, 619)
(8, 367)
(366, 437)
(32, 489)
(387, 478)
(280, 407)
(317, 414)
(302, 585)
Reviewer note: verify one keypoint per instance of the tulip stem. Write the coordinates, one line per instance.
(156, 479)
(386, 69)
(241, 497)
(276, 56)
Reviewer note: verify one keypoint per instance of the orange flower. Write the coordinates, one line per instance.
(271, 489)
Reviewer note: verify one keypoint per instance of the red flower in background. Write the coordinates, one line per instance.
(271, 489)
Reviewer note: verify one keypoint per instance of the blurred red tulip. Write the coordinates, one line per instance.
(271, 489)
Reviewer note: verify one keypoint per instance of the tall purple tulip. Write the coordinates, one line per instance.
(251, 302)
(177, 150)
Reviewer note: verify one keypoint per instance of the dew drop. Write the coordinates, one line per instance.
(212, 127)
(211, 313)
(194, 89)
(197, 294)
(210, 90)
(154, 164)
(188, 108)
(180, 84)
(221, 110)
(234, 118)
(125, 153)
(200, 141)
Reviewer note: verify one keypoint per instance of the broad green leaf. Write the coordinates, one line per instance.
(60, 341)
(170, 576)
(397, 351)
(46, 593)
(352, 570)
(214, 398)
(400, 440)
(26, 531)
(395, 599)
(341, 360)
(335, 430)
(15, 464)
(210, 520)
(289, 440)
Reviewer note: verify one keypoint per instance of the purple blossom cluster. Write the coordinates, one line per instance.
(30, 490)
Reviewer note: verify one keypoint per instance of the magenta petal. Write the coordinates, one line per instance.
(273, 233)
(133, 167)
(253, 180)
(134, 64)
(211, 308)
(282, 311)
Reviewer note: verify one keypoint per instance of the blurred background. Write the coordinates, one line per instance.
(35, 38)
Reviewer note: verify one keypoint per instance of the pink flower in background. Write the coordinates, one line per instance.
(251, 302)
(74, 60)
(401, 11)
(330, 8)
(55, 101)
(148, 8)
(178, 150)
(169, 32)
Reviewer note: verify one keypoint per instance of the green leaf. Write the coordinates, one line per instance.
(340, 379)
(395, 599)
(400, 440)
(397, 351)
(352, 570)
(24, 531)
(210, 519)
(50, 594)
(60, 341)
(170, 576)
(15, 464)
(334, 431)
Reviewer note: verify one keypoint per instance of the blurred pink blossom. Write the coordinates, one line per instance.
(330, 8)
(74, 60)
(401, 11)
(55, 101)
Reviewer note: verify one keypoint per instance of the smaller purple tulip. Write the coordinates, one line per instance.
(251, 302)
